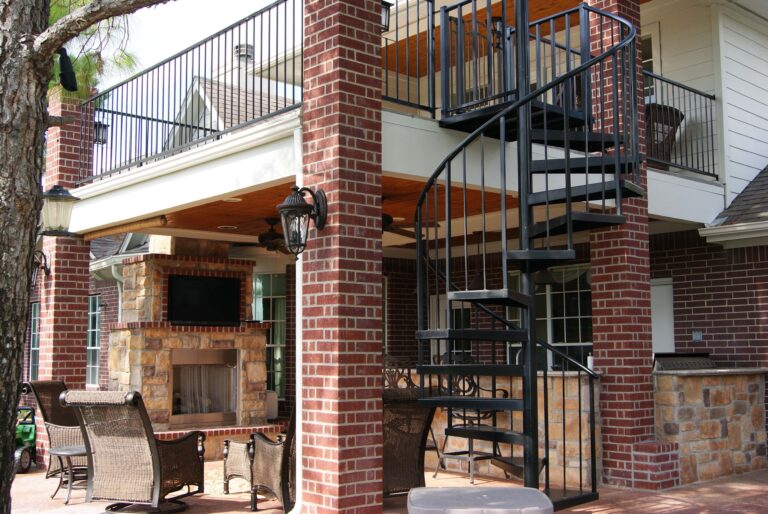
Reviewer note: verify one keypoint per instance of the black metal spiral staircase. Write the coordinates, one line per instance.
(569, 102)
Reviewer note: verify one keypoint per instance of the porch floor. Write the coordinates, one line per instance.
(742, 494)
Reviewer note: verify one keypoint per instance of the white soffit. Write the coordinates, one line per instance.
(738, 235)
(245, 161)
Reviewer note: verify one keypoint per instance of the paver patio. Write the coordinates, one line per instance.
(743, 494)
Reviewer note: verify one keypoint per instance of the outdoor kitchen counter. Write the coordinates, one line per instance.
(715, 416)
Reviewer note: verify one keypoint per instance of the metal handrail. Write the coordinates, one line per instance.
(680, 126)
(242, 74)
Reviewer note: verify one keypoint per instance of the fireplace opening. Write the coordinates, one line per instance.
(204, 385)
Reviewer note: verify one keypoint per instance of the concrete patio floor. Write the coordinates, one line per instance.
(744, 494)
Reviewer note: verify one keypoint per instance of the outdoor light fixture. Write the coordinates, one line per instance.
(295, 214)
(385, 7)
(100, 133)
(40, 263)
(57, 211)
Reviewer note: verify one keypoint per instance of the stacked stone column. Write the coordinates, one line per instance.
(342, 311)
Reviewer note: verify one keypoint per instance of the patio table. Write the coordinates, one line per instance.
(67, 452)
(478, 500)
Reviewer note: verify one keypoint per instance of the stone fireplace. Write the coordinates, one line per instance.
(189, 376)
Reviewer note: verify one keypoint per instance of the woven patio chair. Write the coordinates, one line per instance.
(126, 463)
(268, 466)
(60, 423)
(406, 426)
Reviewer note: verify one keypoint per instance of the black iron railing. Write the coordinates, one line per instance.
(477, 52)
(245, 73)
(679, 126)
(408, 65)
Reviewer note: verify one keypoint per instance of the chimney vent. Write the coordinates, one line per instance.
(244, 51)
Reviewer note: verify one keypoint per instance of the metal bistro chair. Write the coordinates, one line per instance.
(126, 463)
(267, 466)
(61, 426)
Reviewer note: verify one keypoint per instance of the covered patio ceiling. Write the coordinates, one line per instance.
(243, 217)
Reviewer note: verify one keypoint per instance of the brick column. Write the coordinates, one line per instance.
(342, 439)
(621, 318)
(64, 294)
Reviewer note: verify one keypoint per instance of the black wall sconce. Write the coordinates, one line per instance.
(100, 130)
(295, 214)
(385, 7)
(40, 263)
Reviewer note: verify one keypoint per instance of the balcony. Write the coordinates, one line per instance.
(252, 71)
(680, 127)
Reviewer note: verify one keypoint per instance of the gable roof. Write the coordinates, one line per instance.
(750, 206)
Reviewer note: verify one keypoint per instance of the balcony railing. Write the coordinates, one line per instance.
(680, 126)
(245, 73)
(408, 69)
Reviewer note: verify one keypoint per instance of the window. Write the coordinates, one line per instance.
(651, 50)
(34, 341)
(563, 315)
(93, 341)
(269, 306)
(461, 312)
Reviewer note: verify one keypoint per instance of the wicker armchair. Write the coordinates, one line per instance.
(265, 464)
(125, 462)
(406, 427)
(60, 422)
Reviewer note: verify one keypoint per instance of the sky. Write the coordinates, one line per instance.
(161, 31)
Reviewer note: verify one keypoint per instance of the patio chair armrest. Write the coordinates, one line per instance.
(181, 462)
(238, 457)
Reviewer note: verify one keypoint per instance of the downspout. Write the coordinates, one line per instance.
(298, 408)
(117, 274)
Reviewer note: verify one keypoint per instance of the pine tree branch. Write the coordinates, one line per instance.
(69, 26)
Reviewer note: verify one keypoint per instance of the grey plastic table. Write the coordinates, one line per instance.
(478, 500)
(67, 452)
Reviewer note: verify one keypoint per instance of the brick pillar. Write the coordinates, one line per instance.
(621, 318)
(64, 294)
(342, 440)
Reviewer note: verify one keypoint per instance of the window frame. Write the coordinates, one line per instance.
(33, 368)
(275, 378)
(93, 341)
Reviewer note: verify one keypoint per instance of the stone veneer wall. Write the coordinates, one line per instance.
(140, 345)
(717, 419)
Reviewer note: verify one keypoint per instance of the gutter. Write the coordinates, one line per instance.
(738, 235)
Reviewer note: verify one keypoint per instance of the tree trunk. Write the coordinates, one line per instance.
(23, 87)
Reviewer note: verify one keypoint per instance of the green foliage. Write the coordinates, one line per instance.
(97, 50)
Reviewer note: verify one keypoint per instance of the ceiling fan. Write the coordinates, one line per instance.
(271, 239)
(391, 224)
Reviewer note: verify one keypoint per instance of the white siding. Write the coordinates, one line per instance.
(744, 62)
(685, 28)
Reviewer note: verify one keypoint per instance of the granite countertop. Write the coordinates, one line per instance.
(713, 372)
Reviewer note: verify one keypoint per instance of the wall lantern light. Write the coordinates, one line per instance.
(295, 214)
(57, 212)
(100, 130)
(385, 7)
(40, 263)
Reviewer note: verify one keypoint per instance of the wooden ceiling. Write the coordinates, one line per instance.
(409, 54)
(249, 215)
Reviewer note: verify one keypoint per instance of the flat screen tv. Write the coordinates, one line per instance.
(208, 301)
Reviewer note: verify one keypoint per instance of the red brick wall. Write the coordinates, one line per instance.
(341, 126)
(110, 305)
(720, 292)
(401, 309)
(621, 311)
